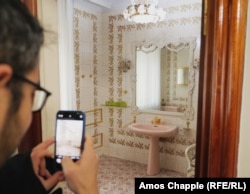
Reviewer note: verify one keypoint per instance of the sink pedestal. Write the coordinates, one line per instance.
(154, 156)
(154, 132)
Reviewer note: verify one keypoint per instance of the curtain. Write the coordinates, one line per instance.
(148, 79)
(66, 54)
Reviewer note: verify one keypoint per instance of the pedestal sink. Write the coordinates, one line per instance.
(154, 132)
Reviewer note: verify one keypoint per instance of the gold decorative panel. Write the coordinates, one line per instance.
(93, 117)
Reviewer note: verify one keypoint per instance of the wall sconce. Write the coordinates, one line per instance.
(125, 65)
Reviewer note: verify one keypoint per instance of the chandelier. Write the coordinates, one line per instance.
(144, 11)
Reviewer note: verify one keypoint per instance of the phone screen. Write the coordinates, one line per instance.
(70, 130)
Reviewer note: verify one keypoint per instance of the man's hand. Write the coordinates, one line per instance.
(82, 176)
(38, 155)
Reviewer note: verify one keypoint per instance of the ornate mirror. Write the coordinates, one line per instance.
(165, 77)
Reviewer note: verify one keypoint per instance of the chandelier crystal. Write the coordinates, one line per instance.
(144, 11)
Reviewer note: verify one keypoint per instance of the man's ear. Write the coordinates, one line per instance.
(5, 74)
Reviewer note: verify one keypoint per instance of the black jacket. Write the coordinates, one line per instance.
(17, 176)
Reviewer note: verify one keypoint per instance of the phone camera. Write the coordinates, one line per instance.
(59, 161)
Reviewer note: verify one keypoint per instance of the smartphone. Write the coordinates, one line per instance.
(69, 136)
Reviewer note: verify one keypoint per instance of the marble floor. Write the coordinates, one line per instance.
(116, 176)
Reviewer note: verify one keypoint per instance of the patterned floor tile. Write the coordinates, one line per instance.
(116, 176)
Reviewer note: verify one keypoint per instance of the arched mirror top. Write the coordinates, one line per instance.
(167, 70)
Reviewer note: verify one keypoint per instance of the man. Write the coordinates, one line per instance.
(21, 37)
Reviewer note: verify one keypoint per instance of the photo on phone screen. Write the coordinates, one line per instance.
(69, 137)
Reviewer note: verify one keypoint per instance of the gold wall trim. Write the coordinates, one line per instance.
(95, 113)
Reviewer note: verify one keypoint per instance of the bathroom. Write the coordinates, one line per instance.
(96, 60)
(96, 57)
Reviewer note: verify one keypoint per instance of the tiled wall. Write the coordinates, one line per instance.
(100, 42)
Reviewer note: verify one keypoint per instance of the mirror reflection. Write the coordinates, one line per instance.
(182, 76)
(165, 71)
(148, 68)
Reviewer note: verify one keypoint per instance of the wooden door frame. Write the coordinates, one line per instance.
(34, 133)
(220, 87)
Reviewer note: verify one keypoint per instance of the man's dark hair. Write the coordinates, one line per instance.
(21, 37)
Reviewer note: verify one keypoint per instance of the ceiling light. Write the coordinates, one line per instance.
(144, 11)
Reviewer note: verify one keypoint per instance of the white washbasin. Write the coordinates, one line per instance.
(154, 130)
